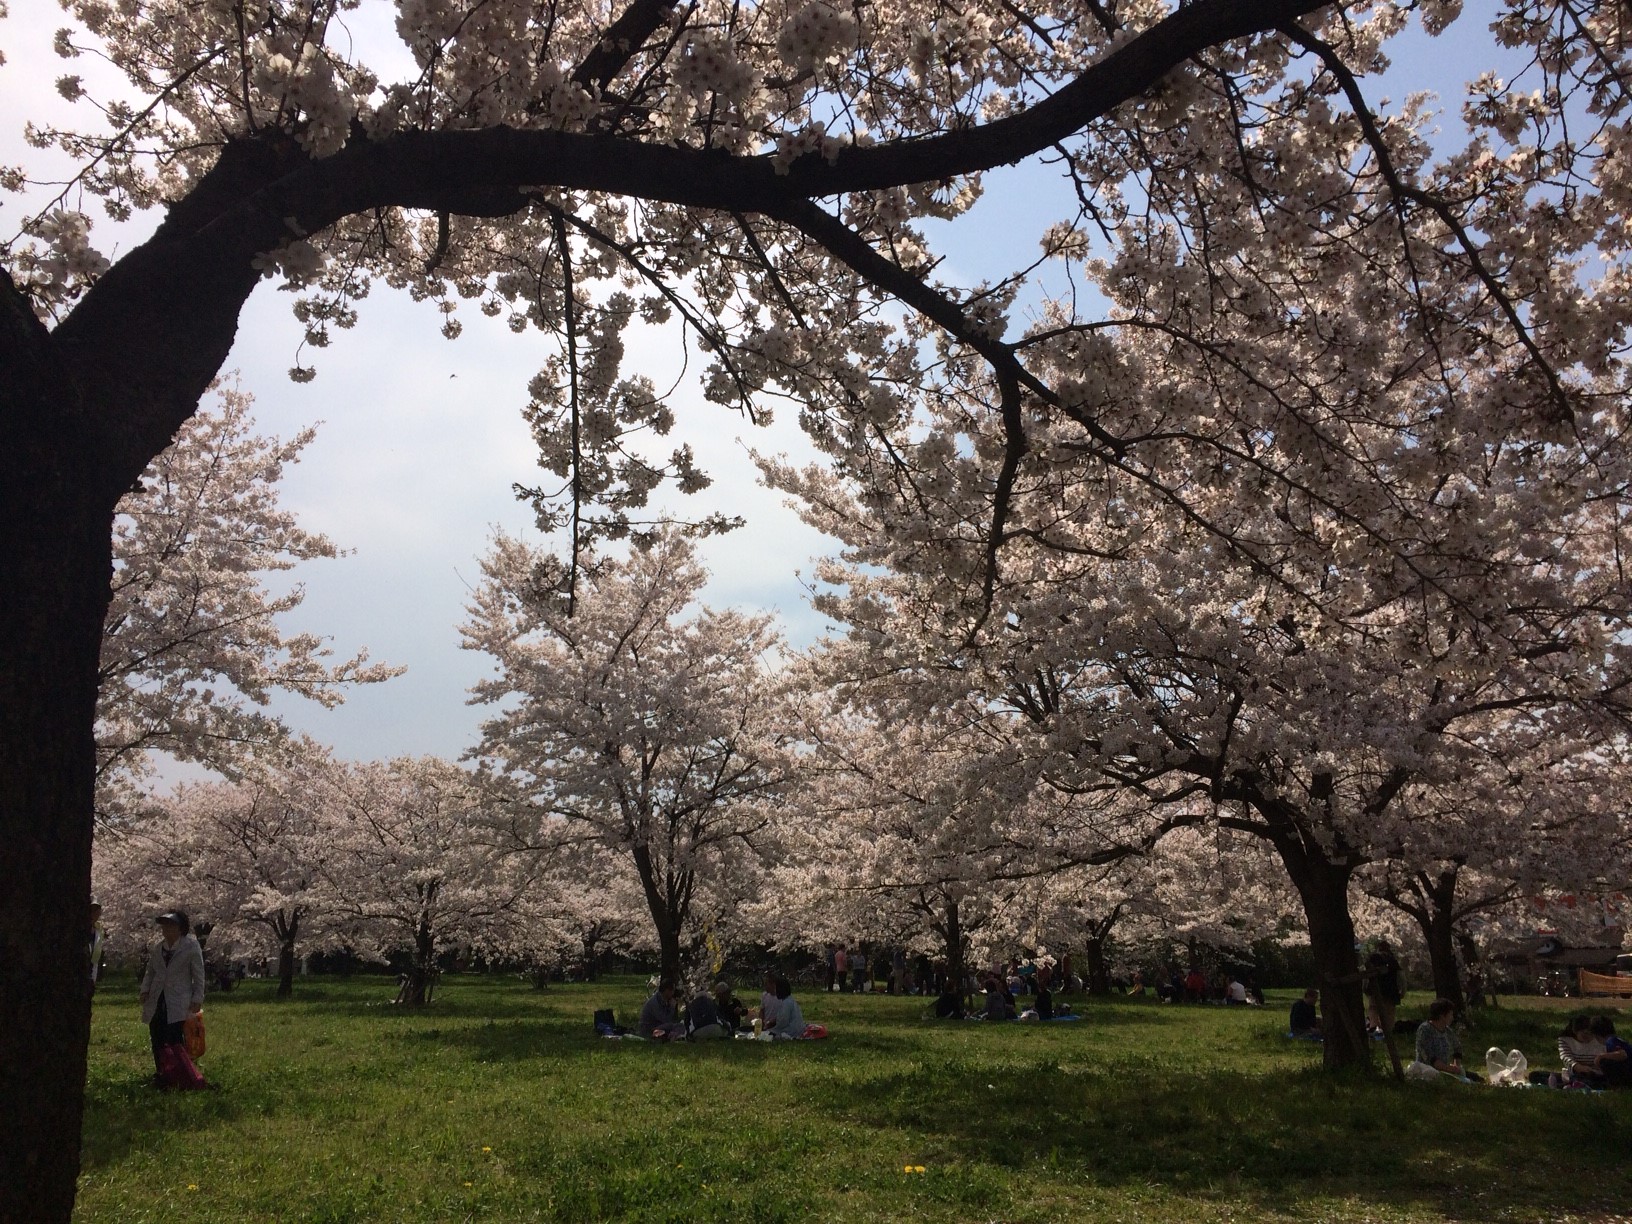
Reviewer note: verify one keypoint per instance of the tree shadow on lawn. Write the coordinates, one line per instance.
(123, 1111)
(1467, 1153)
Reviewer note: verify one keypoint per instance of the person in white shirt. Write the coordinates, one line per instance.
(768, 1002)
(173, 983)
(790, 1020)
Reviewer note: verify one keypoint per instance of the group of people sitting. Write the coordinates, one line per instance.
(1000, 1002)
(717, 1013)
(1593, 1055)
(1232, 989)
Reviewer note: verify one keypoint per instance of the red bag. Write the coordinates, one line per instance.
(177, 1069)
(192, 1034)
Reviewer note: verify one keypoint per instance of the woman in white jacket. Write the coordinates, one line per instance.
(173, 984)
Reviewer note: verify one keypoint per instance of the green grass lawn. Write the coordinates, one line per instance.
(498, 1103)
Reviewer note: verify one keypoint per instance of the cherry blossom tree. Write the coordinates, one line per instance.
(192, 648)
(646, 722)
(765, 176)
(244, 856)
(935, 821)
(1541, 815)
(412, 863)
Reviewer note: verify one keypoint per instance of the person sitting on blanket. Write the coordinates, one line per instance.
(659, 1019)
(1305, 1022)
(767, 1001)
(950, 1005)
(790, 1021)
(999, 1003)
(703, 1019)
(1043, 1004)
(733, 1014)
(1616, 1061)
(1579, 1050)
(1435, 1046)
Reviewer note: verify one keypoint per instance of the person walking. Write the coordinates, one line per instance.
(172, 984)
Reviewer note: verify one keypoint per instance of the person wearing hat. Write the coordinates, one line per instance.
(173, 984)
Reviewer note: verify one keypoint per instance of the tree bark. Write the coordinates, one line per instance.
(1323, 887)
(56, 523)
(422, 967)
(287, 934)
(954, 945)
(1099, 973)
(1438, 923)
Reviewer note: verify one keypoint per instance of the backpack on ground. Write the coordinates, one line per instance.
(606, 1024)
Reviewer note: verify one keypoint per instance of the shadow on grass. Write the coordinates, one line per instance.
(123, 1111)
(1274, 1142)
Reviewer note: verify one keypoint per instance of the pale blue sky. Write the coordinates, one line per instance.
(422, 437)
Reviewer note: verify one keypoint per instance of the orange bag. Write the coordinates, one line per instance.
(192, 1034)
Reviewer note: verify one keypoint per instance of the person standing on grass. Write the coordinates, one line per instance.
(173, 983)
(1384, 985)
(841, 966)
(94, 944)
(858, 967)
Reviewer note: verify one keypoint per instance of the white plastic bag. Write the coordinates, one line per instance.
(1509, 1068)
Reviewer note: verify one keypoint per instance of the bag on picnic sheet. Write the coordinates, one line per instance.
(1423, 1073)
(177, 1070)
(1508, 1068)
(814, 1032)
(192, 1034)
(606, 1024)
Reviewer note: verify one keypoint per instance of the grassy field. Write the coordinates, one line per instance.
(499, 1103)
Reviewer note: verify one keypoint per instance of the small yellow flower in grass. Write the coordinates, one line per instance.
(487, 1149)
(192, 1187)
(469, 1184)
(912, 1168)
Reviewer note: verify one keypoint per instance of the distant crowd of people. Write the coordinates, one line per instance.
(1230, 989)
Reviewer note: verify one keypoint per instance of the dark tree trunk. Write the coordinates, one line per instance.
(1099, 973)
(286, 959)
(668, 953)
(667, 906)
(55, 558)
(953, 931)
(1438, 922)
(422, 968)
(1323, 887)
